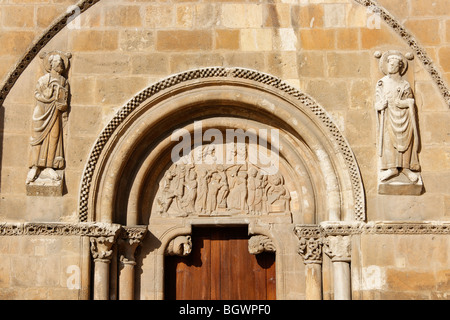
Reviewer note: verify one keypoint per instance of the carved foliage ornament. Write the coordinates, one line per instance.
(310, 243)
(101, 248)
(130, 238)
(338, 248)
(99, 229)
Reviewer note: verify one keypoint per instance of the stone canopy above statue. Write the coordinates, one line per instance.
(223, 180)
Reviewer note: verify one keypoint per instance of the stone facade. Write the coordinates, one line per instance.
(314, 70)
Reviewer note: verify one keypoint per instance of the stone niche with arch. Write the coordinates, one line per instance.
(131, 178)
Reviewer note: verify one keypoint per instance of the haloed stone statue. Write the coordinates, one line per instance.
(47, 153)
(398, 134)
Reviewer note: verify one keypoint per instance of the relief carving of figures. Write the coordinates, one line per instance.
(211, 188)
(190, 194)
(398, 134)
(277, 194)
(49, 117)
(238, 195)
(256, 185)
(311, 250)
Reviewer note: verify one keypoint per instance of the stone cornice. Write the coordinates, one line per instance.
(373, 227)
(96, 229)
(424, 227)
(307, 231)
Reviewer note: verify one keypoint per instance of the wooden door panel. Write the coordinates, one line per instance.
(220, 267)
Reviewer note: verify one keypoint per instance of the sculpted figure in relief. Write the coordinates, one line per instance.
(238, 194)
(398, 137)
(190, 194)
(52, 92)
(210, 188)
(277, 194)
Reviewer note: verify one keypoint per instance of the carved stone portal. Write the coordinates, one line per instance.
(398, 134)
(222, 188)
(46, 162)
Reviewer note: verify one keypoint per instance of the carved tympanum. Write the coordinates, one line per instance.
(50, 112)
(398, 134)
(210, 187)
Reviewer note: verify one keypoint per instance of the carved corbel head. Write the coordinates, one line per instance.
(180, 246)
(259, 244)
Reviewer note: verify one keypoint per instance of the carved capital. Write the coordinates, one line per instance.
(130, 239)
(102, 238)
(180, 246)
(101, 248)
(310, 246)
(338, 248)
(259, 243)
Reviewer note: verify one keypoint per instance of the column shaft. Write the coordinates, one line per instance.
(101, 279)
(342, 281)
(313, 273)
(126, 281)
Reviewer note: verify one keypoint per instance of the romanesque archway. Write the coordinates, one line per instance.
(132, 163)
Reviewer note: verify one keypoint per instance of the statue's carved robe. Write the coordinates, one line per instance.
(47, 138)
(399, 139)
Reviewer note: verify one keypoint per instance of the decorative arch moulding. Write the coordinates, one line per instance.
(83, 5)
(238, 77)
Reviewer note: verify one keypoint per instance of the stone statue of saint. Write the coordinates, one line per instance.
(52, 91)
(398, 137)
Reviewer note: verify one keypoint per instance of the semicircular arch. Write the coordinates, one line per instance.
(134, 149)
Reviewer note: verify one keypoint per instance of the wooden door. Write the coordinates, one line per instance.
(220, 268)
